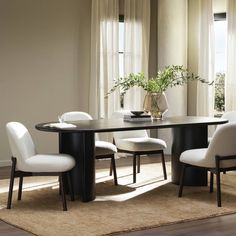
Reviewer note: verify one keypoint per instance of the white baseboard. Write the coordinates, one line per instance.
(5, 163)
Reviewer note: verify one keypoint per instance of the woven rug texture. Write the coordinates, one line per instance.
(151, 202)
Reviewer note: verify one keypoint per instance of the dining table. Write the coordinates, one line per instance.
(77, 138)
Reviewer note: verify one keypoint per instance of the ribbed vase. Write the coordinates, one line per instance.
(156, 104)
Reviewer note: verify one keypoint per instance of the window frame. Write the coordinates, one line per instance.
(121, 20)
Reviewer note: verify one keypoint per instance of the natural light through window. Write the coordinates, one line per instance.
(220, 28)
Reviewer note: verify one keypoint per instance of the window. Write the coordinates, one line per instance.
(220, 28)
(121, 52)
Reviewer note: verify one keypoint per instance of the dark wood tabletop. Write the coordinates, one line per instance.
(110, 125)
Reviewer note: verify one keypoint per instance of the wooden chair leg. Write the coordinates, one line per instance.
(71, 189)
(211, 182)
(13, 168)
(218, 181)
(113, 162)
(181, 184)
(111, 168)
(163, 165)
(218, 189)
(20, 188)
(63, 195)
(134, 168)
(138, 164)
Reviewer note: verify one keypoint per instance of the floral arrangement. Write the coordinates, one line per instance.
(170, 76)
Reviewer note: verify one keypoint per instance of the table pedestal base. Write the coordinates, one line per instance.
(82, 147)
(184, 138)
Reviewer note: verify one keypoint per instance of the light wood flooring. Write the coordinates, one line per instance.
(217, 226)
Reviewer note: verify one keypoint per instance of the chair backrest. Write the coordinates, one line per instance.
(223, 143)
(127, 134)
(20, 141)
(230, 116)
(76, 116)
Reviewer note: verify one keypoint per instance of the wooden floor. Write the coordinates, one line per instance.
(217, 226)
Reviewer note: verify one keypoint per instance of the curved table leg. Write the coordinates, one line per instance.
(82, 147)
(184, 138)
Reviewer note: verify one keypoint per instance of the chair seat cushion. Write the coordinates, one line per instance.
(105, 148)
(47, 163)
(194, 157)
(140, 144)
(200, 157)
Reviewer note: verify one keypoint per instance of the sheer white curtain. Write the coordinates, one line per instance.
(104, 57)
(230, 83)
(136, 48)
(206, 70)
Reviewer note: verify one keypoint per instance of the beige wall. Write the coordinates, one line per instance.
(193, 26)
(172, 47)
(44, 64)
(172, 50)
(153, 50)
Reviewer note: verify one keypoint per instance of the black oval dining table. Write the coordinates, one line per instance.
(79, 141)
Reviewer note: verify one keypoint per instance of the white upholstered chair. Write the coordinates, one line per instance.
(104, 150)
(220, 156)
(27, 162)
(137, 143)
(230, 116)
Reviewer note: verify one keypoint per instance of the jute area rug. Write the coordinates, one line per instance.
(150, 202)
